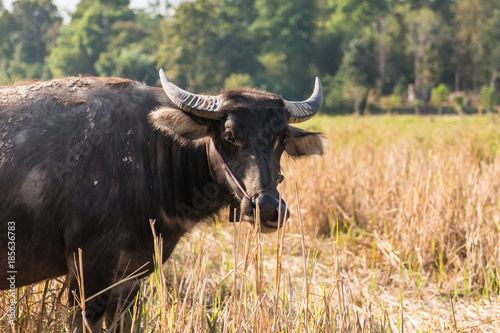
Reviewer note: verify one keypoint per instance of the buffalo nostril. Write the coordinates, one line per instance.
(268, 205)
(271, 209)
(283, 213)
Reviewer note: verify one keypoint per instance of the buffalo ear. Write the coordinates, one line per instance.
(302, 143)
(179, 123)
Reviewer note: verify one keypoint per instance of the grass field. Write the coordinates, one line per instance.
(396, 228)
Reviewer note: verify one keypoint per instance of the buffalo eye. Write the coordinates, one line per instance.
(283, 140)
(229, 137)
(280, 178)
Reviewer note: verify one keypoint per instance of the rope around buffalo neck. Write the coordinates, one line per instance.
(233, 177)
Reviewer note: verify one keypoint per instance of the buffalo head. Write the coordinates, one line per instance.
(246, 132)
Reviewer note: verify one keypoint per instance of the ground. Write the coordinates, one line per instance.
(396, 226)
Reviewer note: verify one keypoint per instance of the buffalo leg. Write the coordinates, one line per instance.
(97, 276)
(122, 296)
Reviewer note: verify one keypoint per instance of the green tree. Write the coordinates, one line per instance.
(475, 21)
(33, 27)
(487, 99)
(386, 32)
(438, 96)
(284, 30)
(238, 81)
(87, 37)
(346, 20)
(128, 53)
(426, 32)
(350, 16)
(189, 43)
(206, 41)
(356, 75)
(490, 46)
(6, 23)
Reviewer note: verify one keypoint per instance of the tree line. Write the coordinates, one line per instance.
(367, 52)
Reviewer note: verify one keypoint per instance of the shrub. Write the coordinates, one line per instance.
(438, 96)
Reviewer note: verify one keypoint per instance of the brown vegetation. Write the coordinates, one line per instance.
(397, 225)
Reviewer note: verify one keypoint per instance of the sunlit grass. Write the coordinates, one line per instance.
(400, 228)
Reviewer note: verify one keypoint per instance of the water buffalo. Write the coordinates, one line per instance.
(87, 162)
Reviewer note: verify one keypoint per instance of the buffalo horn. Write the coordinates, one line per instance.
(301, 111)
(204, 106)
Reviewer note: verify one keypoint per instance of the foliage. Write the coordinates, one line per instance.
(401, 86)
(199, 49)
(417, 103)
(28, 35)
(355, 75)
(348, 16)
(395, 101)
(87, 37)
(439, 95)
(475, 22)
(237, 81)
(458, 104)
(490, 48)
(352, 45)
(390, 102)
(287, 27)
(425, 33)
(487, 99)
(124, 56)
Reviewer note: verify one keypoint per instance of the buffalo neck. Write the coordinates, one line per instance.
(188, 189)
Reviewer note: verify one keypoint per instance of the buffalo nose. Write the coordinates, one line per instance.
(270, 209)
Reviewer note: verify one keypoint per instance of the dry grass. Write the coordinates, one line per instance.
(400, 231)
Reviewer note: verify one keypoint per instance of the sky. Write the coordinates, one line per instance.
(67, 7)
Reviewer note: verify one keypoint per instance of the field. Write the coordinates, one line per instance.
(396, 228)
